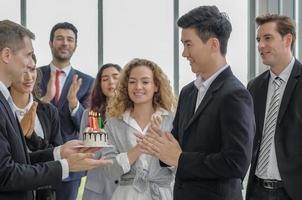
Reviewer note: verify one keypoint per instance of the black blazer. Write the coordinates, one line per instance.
(20, 172)
(216, 140)
(288, 135)
(50, 122)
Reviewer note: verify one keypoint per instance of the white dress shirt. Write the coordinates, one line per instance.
(203, 85)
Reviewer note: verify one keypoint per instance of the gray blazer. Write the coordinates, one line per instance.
(121, 135)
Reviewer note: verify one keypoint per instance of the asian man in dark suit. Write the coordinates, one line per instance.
(276, 168)
(68, 89)
(22, 172)
(213, 129)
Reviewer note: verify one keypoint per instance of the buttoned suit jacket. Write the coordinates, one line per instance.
(288, 134)
(216, 140)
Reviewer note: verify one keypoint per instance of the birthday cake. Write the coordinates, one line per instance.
(94, 135)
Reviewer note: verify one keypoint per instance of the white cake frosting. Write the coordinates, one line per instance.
(95, 138)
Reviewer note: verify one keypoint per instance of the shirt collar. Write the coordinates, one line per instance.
(4, 91)
(66, 69)
(200, 83)
(158, 112)
(22, 111)
(284, 75)
(131, 122)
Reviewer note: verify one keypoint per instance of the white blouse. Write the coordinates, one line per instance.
(145, 179)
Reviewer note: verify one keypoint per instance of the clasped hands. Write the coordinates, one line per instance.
(160, 144)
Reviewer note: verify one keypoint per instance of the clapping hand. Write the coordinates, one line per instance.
(73, 90)
(160, 144)
(28, 120)
(51, 88)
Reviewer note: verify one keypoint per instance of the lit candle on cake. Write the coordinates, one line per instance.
(99, 120)
(94, 120)
(90, 119)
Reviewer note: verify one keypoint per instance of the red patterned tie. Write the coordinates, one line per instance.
(57, 84)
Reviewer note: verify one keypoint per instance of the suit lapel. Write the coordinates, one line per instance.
(15, 124)
(189, 112)
(290, 86)
(8, 110)
(260, 100)
(65, 89)
(214, 87)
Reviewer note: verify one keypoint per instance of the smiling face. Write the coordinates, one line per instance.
(27, 82)
(271, 45)
(141, 86)
(195, 50)
(109, 80)
(63, 44)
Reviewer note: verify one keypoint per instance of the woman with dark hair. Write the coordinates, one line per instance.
(98, 186)
(39, 121)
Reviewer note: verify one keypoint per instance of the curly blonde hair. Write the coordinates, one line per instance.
(164, 98)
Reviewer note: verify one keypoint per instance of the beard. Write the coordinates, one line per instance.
(60, 57)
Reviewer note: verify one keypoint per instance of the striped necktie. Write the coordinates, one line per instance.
(269, 128)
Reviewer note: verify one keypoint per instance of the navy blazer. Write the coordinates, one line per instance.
(70, 125)
(288, 134)
(20, 172)
(216, 140)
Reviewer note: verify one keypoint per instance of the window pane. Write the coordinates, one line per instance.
(83, 14)
(10, 10)
(237, 46)
(139, 29)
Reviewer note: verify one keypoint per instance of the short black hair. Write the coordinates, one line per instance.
(63, 25)
(208, 22)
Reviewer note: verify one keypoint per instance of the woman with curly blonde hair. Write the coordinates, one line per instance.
(143, 92)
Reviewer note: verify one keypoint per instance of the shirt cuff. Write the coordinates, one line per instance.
(65, 168)
(123, 161)
(57, 153)
(73, 112)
